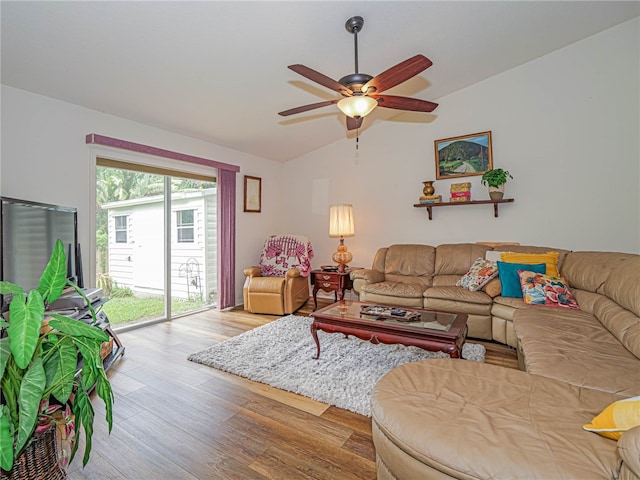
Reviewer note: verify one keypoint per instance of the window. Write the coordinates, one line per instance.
(163, 278)
(185, 226)
(121, 228)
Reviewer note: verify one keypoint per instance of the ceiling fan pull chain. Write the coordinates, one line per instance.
(357, 138)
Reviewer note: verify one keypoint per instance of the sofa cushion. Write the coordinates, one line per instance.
(510, 280)
(445, 280)
(475, 420)
(455, 259)
(423, 282)
(272, 285)
(616, 276)
(379, 259)
(575, 348)
(395, 289)
(628, 448)
(412, 260)
(539, 289)
(620, 322)
(623, 285)
(505, 307)
(458, 294)
(455, 299)
(590, 270)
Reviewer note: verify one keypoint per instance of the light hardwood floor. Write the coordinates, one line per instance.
(175, 419)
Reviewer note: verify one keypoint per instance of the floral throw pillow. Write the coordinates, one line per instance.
(479, 274)
(540, 289)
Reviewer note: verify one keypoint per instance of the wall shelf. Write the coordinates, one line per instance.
(429, 206)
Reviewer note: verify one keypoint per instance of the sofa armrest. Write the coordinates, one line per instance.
(293, 273)
(370, 276)
(252, 272)
(629, 450)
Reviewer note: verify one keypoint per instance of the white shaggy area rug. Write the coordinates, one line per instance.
(281, 354)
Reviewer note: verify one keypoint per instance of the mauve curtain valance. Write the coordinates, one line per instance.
(226, 208)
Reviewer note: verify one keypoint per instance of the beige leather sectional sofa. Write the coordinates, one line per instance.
(425, 276)
(449, 418)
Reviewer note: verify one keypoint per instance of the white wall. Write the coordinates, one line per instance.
(44, 158)
(565, 125)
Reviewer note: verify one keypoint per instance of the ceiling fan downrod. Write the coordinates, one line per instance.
(354, 25)
(357, 79)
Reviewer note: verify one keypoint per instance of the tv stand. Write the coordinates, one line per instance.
(114, 349)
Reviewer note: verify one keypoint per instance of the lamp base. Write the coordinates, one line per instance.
(342, 256)
(342, 267)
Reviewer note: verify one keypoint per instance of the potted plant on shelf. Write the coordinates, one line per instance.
(42, 387)
(495, 179)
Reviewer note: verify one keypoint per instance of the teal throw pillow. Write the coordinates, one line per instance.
(510, 279)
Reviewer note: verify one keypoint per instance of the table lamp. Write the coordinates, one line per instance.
(341, 225)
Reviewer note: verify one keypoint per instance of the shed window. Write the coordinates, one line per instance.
(185, 225)
(121, 228)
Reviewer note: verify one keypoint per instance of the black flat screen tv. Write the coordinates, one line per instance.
(28, 233)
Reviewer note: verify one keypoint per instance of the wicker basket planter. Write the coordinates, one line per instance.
(39, 460)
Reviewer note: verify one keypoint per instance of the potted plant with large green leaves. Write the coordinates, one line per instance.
(39, 358)
(495, 179)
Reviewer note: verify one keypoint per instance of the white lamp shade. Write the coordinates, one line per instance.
(357, 106)
(341, 222)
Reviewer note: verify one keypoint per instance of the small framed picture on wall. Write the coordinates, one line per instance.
(252, 194)
(463, 156)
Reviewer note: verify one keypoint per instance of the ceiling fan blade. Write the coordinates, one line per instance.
(398, 73)
(320, 78)
(354, 123)
(405, 103)
(304, 108)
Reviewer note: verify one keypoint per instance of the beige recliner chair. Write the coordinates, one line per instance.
(280, 284)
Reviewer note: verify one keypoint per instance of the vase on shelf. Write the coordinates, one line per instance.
(428, 188)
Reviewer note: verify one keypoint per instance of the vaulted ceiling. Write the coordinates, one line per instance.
(217, 70)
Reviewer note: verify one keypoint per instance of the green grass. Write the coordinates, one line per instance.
(129, 309)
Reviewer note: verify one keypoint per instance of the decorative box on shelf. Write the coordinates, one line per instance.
(460, 187)
(460, 192)
(459, 199)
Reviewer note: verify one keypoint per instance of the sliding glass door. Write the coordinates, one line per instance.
(155, 242)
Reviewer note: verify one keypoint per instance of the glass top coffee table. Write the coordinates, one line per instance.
(429, 329)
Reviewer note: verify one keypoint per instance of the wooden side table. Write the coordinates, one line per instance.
(336, 282)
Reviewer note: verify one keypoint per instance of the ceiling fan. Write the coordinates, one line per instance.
(361, 92)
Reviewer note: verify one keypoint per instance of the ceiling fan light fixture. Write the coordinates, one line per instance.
(357, 106)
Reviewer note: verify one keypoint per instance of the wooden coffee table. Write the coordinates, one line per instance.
(434, 330)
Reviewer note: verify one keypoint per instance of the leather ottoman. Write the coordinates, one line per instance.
(447, 418)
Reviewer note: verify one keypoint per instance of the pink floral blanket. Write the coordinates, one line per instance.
(283, 252)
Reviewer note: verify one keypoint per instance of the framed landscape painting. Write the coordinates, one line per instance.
(463, 156)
